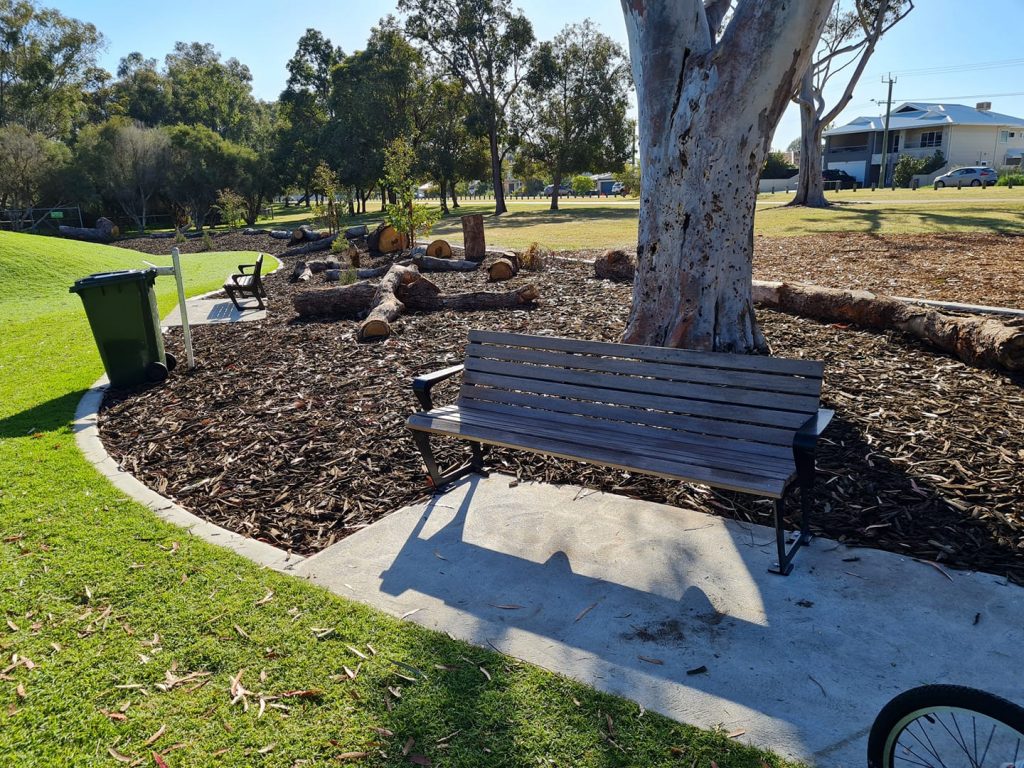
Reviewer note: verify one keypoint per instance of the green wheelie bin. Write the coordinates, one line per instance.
(122, 311)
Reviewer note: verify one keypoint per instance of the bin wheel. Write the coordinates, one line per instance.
(156, 371)
(172, 362)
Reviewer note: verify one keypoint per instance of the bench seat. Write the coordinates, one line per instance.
(607, 444)
(744, 423)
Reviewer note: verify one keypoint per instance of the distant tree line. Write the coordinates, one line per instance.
(461, 86)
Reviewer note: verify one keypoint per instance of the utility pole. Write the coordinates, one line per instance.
(884, 172)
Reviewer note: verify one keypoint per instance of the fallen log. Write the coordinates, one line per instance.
(317, 266)
(307, 233)
(341, 301)
(418, 299)
(386, 306)
(615, 264)
(301, 273)
(317, 245)
(102, 232)
(984, 342)
(473, 237)
(504, 268)
(281, 234)
(427, 263)
(439, 249)
(253, 231)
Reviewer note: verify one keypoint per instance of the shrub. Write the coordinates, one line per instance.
(206, 243)
(231, 207)
(347, 277)
(1014, 177)
(777, 167)
(934, 163)
(630, 178)
(905, 169)
(179, 236)
(582, 185)
(535, 258)
(404, 215)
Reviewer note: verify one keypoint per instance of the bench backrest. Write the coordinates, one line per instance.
(737, 402)
(257, 269)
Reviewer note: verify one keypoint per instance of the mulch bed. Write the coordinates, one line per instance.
(293, 433)
(222, 241)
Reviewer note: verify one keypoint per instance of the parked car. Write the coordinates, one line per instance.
(836, 179)
(973, 176)
(562, 190)
(618, 188)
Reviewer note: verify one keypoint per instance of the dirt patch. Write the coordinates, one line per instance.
(222, 241)
(293, 433)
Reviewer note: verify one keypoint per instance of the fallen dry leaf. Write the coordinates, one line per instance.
(649, 660)
(156, 736)
(159, 760)
(118, 756)
(352, 756)
(585, 611)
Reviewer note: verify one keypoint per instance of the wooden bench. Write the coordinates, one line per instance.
(741, 422)
(243, 284)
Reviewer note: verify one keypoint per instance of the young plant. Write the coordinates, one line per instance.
(231, 206)
(404, 215)
(326, 214)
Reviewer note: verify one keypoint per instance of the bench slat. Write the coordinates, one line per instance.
(610, 434)
(766, 401)
(591, 393)
(745, 363)
(610, 457)
(746, 380)
(767, 440)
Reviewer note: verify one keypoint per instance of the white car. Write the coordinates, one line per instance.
(973, 176)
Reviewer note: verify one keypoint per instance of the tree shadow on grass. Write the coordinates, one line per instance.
(44, 417)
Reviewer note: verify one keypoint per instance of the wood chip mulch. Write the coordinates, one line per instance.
(293, 433)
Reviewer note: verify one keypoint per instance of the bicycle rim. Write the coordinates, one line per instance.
(953, 737)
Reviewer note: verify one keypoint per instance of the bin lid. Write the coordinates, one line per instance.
(113, 278)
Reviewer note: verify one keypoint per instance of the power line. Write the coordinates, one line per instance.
(965, 96)
(969, 67)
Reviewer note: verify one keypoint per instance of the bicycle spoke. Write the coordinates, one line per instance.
(929, 748)
(988, 744)
(961, 742)
(927, 763)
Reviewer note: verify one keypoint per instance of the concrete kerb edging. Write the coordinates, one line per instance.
(87, 437)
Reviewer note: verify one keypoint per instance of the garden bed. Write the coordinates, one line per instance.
(293, 433)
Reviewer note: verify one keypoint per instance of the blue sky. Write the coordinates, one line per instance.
(971, 49)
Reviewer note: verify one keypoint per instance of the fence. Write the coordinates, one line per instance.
(45, 220)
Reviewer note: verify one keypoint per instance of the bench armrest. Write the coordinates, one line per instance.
(243, 267)
(421, 385)
(807, 436)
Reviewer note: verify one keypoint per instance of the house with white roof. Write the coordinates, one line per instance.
(965, 136)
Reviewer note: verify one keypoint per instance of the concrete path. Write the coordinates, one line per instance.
(638, 599)
(209, 311)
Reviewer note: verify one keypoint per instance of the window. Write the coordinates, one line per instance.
(931, 139)
(1003, 136)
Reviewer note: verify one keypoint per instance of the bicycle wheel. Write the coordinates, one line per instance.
(947, 726)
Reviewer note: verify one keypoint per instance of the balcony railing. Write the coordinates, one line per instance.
(853, 148)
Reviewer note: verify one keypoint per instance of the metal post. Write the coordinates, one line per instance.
(186, 331)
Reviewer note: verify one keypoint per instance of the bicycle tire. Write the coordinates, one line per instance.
(905, 708)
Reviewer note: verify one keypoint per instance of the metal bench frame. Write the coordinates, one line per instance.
(243, 284)
(804, 444)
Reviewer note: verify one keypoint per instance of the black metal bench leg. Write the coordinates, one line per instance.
(438, 478)
(479, 454)
(784, 566)
(805, 479)
(230, 291)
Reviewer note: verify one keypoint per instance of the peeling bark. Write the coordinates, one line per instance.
(707, 111)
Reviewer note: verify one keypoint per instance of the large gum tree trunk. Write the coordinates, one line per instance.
(707, 111)
(556, 183)
(810, 188)
(499, 190)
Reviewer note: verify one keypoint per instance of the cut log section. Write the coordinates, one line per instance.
(408, 289)
(504, 268)
(386, 306)
(439, 249)
(473, 237)
(301, 273)
(307, 233)
(317, 245)
(340, 301)
(391, 240)
(980, 341)
(615, 264)
(101, 233)
(427, 263)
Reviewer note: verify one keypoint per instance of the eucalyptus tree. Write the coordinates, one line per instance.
(485, 45)
(579, 87)
(712, 82)
(848, 40)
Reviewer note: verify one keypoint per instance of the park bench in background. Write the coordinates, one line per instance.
(740, 422)
(243, 284)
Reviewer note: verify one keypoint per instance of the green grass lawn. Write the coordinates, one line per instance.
(121, 635)
(601, 223)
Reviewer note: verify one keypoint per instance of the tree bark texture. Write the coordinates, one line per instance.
(810, 187)
(430, 264)
(473, 242)
(980, 341)
(342, 301)
(386, 306)
(707, 111)
(301, 273)
(504, 268)
(499, 189)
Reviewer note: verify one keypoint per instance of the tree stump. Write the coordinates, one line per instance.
(473, 237)
(439, 249)
(504, 268)
(615, 264)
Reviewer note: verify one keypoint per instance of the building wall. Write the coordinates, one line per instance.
(977, 145)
